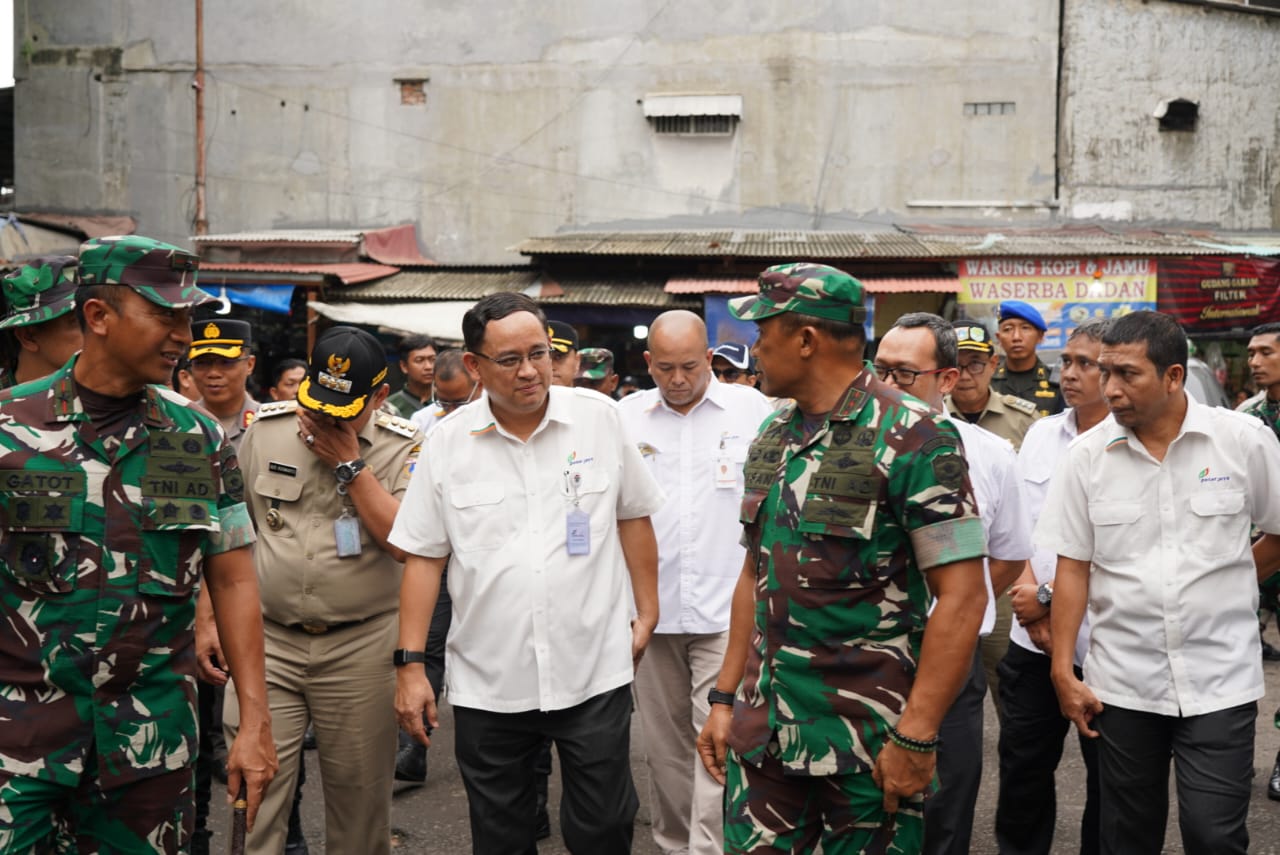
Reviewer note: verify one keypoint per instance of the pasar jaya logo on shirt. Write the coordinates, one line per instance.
(575, 460)
(1206, 478)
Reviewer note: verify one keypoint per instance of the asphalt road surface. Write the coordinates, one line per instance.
(433, 818)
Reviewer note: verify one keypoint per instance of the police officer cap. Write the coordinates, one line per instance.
(220, 338)
(806, 289)
(347, 366)
(1018, 310)
(564, 337)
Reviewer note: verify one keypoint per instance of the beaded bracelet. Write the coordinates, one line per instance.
(923, 746)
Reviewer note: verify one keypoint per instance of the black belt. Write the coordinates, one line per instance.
(315, 627)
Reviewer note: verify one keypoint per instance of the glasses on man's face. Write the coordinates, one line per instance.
(512, 362)
(450, 406)
(976, 367)
(728, 375)
(204, 364)
(903, 377)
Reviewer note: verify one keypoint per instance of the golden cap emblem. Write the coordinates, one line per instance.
(212, 331)
(338, 366)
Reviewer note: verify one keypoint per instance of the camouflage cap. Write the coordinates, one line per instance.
(595, 363)
(39, 291)
(804, 288)
(164, 274)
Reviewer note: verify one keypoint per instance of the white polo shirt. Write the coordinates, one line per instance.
(697, 457)
(428, 417)
(1173, 589)
(993, 473)
(1043, 448)
(533, 626)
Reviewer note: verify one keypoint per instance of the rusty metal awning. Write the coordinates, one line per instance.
(911, 285)
(349, 274)
(474, 283)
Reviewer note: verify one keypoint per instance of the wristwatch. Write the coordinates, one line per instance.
(347, 472)
(715, 696)
(405, 657)
(1044, 594)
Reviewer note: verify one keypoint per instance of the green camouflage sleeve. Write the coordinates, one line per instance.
(932, 488)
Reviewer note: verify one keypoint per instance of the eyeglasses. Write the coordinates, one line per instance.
(450, 406)
(904, 377)
(512, 362)
(976, 367)
(729, 375)
(204, 364)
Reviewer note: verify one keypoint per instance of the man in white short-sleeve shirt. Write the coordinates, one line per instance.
(920, 356)
(544, 507)
(1158, 499)
(694, 432)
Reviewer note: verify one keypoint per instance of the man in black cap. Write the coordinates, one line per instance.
(1021, 372)
(324, 476)
(564, 352)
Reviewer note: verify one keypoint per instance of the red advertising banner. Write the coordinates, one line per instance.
(1219, 294)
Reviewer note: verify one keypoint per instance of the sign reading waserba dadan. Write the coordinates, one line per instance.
(1213, 293)
(1066, 291)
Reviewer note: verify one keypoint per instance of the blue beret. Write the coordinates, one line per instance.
(1023, 312)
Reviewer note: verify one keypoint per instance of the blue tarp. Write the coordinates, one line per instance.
(271, 298)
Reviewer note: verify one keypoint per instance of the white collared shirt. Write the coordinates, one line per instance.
(533, 627)
(1173, 589)
(993, 473)
(699, 536)
(428, 417)
(1043, 448)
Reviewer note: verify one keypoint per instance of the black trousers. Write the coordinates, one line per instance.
(1213, 765)
(496, 754)
(948, 813)
(1031, 741)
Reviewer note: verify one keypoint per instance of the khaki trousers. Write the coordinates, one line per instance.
(671, 702)
(344, 682)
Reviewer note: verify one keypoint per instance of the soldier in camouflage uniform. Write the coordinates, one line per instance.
(857, 506)
(41, 328)
(418, 364)
(116, 498)
(595, 370)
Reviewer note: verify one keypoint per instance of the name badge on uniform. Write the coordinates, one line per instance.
(346, 534)
(577, 523)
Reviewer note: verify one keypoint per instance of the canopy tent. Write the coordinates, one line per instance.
(439, 319)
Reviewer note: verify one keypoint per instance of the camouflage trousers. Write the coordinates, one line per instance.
(769, 811)
(153, 815)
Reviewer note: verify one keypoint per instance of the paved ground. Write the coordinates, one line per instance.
(433, 818)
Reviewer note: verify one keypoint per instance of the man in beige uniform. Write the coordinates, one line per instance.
(221, 361)
(1006, 416)
(324, 476)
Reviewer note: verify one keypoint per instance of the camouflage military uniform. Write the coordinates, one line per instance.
(1033, 385)
(1007, 416)
(100, 558)
(842, 525)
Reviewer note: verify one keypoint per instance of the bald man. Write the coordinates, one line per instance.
(694, 432)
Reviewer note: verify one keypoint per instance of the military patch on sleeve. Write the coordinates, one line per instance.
(232, 478)
(949, 469)
(936, 443)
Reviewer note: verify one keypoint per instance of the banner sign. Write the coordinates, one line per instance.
(1066, 291)
(1220, 294)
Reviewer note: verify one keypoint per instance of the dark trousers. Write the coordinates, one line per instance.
(1213, 765)
(496, 754)
(1031, 740)
(948, 813)
(207, 724)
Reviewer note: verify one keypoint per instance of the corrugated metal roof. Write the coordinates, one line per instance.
(348, 274)
(912, 285)
(606, 293)
(284, 236)
(455, 284)
(915, 242)
(710, 285)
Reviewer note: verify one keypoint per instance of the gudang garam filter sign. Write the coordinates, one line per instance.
(1066, 291)
(1217, 294)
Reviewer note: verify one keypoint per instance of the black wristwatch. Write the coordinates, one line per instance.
(715, 696)
(1044, 594)
(405, 657)
(347, 472)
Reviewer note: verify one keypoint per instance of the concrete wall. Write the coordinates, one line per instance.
(1122, 57)
(531, 121)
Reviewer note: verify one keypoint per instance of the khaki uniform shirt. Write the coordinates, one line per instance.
(1004, 415)
(235, 427)
(294, 501)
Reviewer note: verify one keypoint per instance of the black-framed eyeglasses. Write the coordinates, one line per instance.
(512, 362)
(976, 367)
(222, 363)
(450, 406)
(904, 377)
(730, 375)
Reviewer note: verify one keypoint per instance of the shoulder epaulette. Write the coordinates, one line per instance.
(395, 424)
(276, 408)
(1020, 404)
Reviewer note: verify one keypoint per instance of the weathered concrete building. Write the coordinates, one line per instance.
(486, 123)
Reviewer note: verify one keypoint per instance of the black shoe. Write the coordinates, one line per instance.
(309, 739)
(411, 763)
(543, 829)
(1273, 786)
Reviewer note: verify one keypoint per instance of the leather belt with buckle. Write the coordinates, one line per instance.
(315, 627)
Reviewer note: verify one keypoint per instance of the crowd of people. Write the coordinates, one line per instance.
(802, 565)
